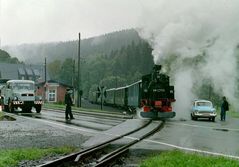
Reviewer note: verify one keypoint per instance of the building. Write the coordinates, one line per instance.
(54, 91)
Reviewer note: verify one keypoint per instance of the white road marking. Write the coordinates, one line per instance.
(199, 126)
(192, 149)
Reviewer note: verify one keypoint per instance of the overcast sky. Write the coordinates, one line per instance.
(34, 21)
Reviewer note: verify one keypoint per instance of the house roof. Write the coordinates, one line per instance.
(54, 81)
(29, 71)
(12, 71)
(21, 71)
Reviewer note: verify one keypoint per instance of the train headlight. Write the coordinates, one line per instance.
(15, 98)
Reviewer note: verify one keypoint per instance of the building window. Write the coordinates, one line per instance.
(52, 95)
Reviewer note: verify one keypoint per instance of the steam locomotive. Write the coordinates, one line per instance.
(151, 97)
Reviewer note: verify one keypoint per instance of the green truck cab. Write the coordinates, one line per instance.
(20, 93)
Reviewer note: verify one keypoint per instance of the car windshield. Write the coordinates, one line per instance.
(23, 86)
(208, 104)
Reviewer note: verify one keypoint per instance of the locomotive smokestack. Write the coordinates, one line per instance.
(157, 67)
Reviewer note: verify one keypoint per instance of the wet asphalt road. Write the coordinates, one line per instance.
(215, 138)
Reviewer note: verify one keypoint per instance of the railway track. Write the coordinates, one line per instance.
(104, 154)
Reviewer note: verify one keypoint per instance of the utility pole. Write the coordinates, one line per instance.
(79, 77)
(73, 76)
(45, 80)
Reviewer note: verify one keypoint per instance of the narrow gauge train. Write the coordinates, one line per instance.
(151, 96)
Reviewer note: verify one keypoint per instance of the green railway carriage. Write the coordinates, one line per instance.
(93, 97)
(110, 97)
(134, 94)
(121, 96)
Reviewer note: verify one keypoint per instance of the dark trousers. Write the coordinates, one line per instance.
(68, 112)
(223, 114)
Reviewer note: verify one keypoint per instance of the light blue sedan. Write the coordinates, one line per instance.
(203, 109)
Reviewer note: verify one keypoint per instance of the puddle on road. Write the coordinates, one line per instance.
(7, 118)
(33, 115)
(219, 129)
(182, 119)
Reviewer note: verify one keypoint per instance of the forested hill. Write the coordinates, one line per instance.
(104, 44)
(6, 58)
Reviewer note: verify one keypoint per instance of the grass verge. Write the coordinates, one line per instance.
(233, 114)
(12, 157)
(180, 159)
(62, 107)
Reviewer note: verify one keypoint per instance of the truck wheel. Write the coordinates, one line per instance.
(28, 109)
(6, 108)
(38, 109)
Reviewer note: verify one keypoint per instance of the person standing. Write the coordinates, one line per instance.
(224, 108)
(68, 103)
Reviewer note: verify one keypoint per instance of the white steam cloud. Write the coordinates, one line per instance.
(188, 28)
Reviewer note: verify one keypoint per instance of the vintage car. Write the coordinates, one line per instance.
(203, 109)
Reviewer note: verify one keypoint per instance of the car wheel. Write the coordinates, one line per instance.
(213, 119)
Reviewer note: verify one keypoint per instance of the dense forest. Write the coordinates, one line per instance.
(6, 58)
(118, 68)
(104, 44)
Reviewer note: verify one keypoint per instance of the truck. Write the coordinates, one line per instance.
(20, 94)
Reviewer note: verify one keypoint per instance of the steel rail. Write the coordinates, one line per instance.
(77, 155)
(112, 155)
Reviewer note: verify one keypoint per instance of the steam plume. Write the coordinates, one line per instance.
(182, 30)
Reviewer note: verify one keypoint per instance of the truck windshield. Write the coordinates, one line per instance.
(23, 86)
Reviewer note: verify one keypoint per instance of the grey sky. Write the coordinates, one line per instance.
(34, 21)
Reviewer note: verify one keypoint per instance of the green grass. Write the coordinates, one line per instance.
(181, 159)
(233, 114)
(11, 158)
(1, 115)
